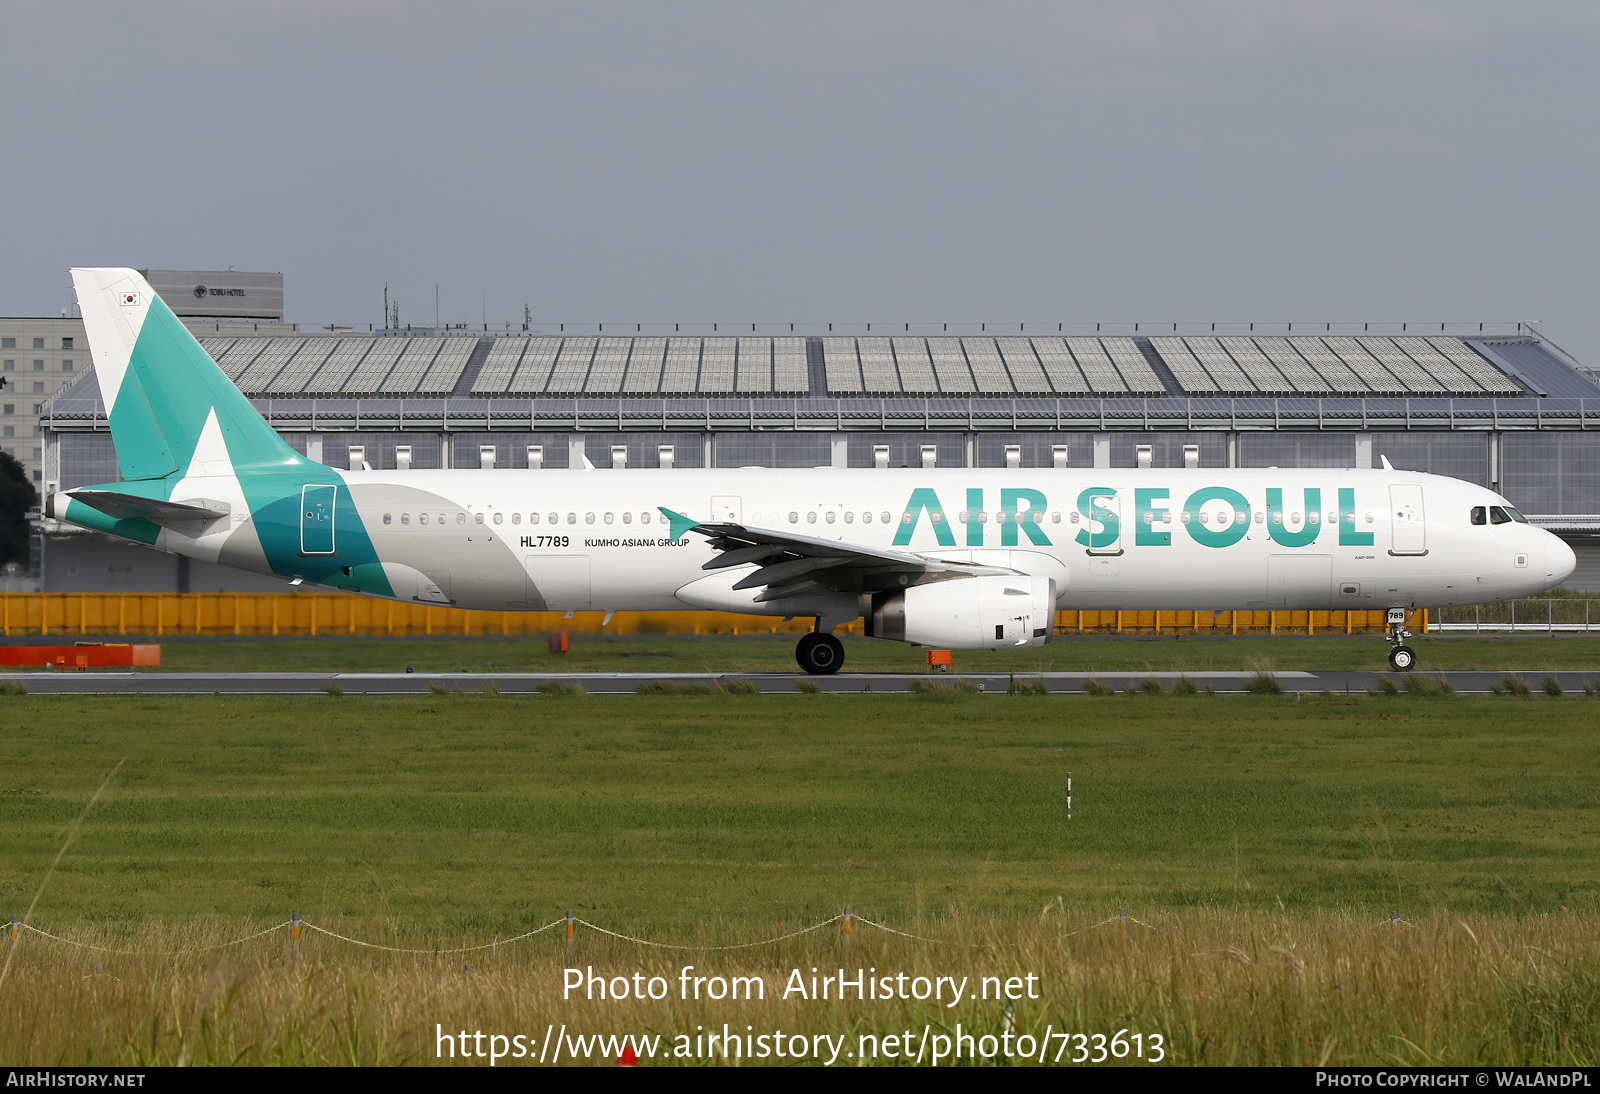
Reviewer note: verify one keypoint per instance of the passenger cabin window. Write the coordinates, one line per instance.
(1498, 515)
(1480, 515)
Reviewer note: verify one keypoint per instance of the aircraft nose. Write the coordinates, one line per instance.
(1559, 561)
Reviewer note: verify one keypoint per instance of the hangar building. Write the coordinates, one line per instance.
(1500, 406)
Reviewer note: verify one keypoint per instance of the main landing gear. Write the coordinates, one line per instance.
(1401, 656)
(820, 654)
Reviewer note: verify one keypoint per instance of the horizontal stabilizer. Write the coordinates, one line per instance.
(133, 507)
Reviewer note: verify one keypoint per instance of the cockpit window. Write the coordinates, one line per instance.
(1479, 515)
(1498, 515)
(1516, 516)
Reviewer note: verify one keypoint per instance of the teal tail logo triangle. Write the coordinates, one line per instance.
(680, 524)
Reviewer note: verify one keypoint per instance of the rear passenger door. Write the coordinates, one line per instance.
(316, 519)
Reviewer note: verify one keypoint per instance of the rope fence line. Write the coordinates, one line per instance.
(1092, 926)
(1122, 918)
(146, 953)
(1393, 922)
(496, 944)
(735, 946)
(863, 919)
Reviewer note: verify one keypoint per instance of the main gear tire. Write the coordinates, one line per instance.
(1402, 658)
(820, 654)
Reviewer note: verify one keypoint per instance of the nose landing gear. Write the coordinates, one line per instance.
(819, 654)
(1401, 656)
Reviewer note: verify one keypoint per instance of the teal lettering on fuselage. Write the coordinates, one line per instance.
(1089, 505)
(924, 500)
(1229, 530)
(1278, 521)
(1100, 509)
(1348, 536)
(1029, 517)
(1146, 516)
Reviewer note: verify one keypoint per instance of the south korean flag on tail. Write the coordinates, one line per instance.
(130, 299)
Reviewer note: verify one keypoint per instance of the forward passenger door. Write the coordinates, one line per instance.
(1410, 531)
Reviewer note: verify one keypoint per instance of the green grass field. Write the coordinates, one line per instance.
(1528, 653)
(477, 813)
(1239, 827)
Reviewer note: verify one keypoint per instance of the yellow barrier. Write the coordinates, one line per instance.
(1363, 621)
(175, 614)
(208, 614)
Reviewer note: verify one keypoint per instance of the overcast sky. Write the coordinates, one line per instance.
(856, 161)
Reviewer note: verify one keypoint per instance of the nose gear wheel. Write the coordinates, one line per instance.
(1402, 658)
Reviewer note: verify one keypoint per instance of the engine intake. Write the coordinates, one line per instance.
(970, 613)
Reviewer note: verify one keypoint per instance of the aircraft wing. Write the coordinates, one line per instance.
(793, 565)
(132, 507)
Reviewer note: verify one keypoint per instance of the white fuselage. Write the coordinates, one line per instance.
(1129, 538)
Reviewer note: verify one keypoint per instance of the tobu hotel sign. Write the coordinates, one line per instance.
(220, 294)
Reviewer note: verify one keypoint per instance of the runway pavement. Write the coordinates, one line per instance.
(628, 683)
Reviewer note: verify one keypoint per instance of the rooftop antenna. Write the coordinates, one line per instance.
(527, 317)
(386, 305)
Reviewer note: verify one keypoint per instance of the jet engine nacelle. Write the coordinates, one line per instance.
(970, 613)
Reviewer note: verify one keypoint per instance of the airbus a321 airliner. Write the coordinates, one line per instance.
(967, 558)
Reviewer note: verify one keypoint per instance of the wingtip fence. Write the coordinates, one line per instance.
(296, 924)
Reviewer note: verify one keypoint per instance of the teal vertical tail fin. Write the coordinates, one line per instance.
(160, 386)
